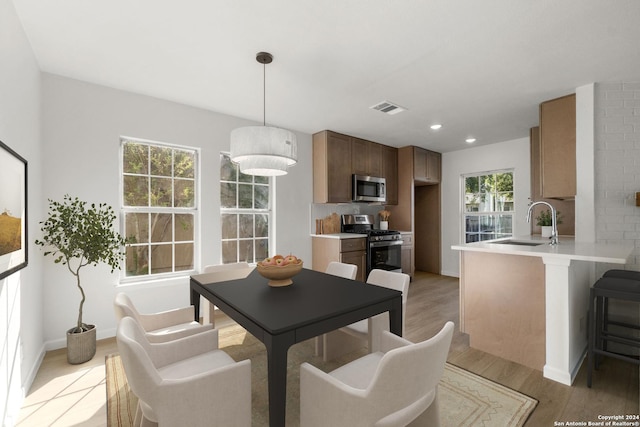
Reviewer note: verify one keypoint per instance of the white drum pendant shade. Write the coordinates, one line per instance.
(263, 150)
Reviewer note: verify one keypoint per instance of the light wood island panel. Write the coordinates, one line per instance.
(502, 306)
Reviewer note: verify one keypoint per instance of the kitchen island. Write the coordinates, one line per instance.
(527, 301)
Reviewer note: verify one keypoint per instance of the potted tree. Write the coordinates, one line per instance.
(77, 236)
(545, 221)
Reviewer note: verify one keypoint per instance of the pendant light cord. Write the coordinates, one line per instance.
(264, 94)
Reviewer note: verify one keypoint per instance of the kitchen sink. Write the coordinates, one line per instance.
(519, 243)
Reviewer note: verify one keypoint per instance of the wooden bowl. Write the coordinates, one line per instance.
(279, 275)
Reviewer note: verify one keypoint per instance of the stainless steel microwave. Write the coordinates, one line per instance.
(369, 189)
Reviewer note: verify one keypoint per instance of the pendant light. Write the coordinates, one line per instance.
(263, 150)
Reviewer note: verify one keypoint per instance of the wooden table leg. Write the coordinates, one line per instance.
(195, 302)
(395, 317)
(277, 349)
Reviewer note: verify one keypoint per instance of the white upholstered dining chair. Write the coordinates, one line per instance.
(340, 269)
(163, 326)
(185, 382)
(394, 387)
(220, 268)
(348, 271)
(367, 331)
(221, 273)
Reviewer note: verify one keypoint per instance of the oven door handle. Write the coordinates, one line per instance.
(384, 243)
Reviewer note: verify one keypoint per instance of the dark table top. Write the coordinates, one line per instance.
(313, 297)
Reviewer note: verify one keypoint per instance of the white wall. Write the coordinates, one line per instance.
(617, 160)
(20, 293)
(503, 155)
(617, 168)
(82, 125)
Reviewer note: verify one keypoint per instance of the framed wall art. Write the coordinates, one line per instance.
(13, 211)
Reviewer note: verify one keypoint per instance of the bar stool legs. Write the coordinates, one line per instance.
(615, 284)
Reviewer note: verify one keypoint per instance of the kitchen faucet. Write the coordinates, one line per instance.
(554, 221)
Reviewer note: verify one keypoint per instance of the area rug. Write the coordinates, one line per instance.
(465, 399)
(121, 402)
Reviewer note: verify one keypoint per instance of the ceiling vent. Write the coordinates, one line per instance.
(388, 107)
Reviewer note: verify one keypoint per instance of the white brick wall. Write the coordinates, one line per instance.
(617, 167)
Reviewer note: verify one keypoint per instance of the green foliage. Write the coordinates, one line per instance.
(77, 236)
(545, 220)
(156, 176)
(493, 183)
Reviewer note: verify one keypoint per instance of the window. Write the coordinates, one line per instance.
(245, 212)
(159, 206)
(488, 206)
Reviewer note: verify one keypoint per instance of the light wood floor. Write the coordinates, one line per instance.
(433, 299)
(68, 395)
(75, 395)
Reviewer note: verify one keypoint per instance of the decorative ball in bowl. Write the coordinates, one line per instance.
(279, 269)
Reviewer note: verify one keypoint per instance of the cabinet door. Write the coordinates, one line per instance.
(375, 159)
(407, 253)
(356, 244)
(359, 156)
(534, 150)
(338, 168)
(565, 208)
(390, 173)
(433, 166)
(419, 164)
(558, 147)
(357, 258)
(426, 166)
(366, 157)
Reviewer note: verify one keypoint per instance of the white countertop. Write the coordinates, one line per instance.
(567, 248)
(340, 235)
(348, 235)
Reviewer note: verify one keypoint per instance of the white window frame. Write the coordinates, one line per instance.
(269, 211)
(195, 211)
(464, 214)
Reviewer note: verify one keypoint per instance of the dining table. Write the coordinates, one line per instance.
(314, 304)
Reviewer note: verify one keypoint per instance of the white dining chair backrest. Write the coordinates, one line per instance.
(392, 280)
(123, 307)
(221, 273)
(225, 267)
(348, 271)
(161, 326)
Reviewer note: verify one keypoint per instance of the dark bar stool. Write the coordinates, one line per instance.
(617, 284)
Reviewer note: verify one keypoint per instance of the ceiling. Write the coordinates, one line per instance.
(478, 67)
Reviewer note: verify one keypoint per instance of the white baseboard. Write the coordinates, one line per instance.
(450, 273)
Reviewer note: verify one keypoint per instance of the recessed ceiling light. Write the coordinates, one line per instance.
(436, 126)
(470, 140)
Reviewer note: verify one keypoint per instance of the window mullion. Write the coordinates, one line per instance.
(245, 213)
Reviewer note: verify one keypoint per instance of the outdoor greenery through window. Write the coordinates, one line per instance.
(159, 206)
(245, 212)
(488, 206)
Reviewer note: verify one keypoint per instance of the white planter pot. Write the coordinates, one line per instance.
(384, 225)
(546, 230)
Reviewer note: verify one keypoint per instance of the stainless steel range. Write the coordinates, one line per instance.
(384, 247)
